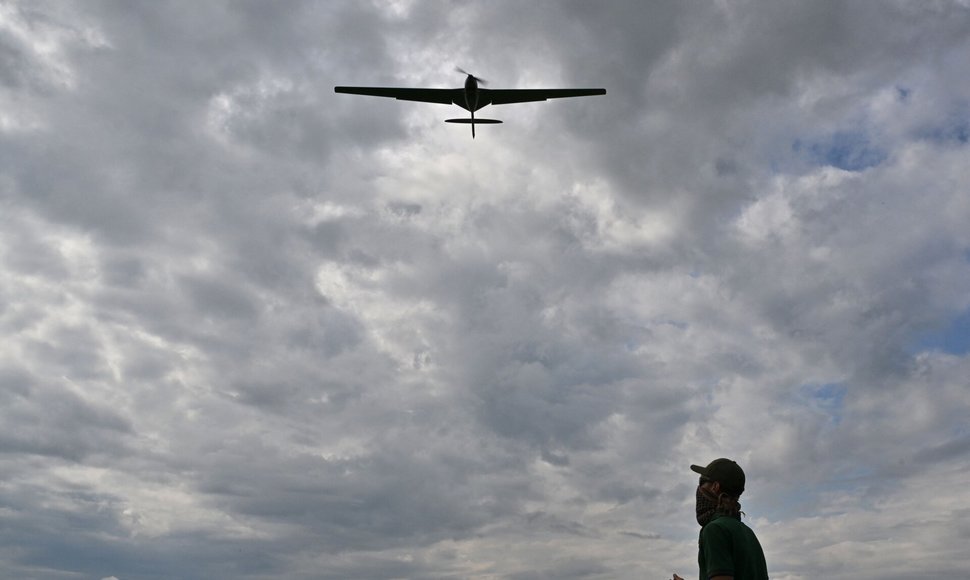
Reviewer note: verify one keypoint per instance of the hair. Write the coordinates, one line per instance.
(729, 504)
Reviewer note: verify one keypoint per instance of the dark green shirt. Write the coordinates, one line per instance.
(730, 548)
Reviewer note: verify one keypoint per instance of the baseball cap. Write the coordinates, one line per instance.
(724, 471)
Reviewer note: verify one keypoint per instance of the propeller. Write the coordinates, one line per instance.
(464, 72)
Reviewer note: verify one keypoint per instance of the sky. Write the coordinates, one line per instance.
(255, 329)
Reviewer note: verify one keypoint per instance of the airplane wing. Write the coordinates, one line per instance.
(506, 96)
(443, 96)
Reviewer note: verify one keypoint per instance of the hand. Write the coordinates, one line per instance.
(676, 577)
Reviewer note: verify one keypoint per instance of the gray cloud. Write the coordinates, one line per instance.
(256, 329)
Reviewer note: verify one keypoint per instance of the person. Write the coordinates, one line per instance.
(729, 550)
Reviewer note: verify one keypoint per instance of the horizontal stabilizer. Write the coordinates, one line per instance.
(470, 121)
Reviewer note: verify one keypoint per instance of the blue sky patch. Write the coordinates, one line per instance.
(953, 128)
(957, 131)
(952, 339)
(847, 150)
(828, 397)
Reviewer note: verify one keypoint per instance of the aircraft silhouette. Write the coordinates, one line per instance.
(471, 97)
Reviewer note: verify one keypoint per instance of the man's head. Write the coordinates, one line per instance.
(727, 474)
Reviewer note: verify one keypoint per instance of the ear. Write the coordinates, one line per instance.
(716, 487)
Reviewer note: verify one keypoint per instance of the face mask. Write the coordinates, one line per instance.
(706, 506)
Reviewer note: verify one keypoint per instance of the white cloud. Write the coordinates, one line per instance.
(256, 329)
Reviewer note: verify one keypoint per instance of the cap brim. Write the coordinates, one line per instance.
(698, 469)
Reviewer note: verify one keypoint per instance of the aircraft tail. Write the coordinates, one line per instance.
(473, 121)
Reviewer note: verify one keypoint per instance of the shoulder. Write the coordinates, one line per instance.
(724, 527)
(716, 530)
(725, 523)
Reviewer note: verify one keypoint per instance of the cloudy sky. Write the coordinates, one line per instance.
(255, 329)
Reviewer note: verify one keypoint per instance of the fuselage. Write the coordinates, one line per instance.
(472, 95)
(471, 99)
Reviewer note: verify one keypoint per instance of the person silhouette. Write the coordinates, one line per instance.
(728, 549)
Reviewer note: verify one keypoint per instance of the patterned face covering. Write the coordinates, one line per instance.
(709, 505)
(706, 506)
